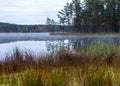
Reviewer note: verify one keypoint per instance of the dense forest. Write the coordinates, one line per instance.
(7, 27)
(92, 15)
(89, 16)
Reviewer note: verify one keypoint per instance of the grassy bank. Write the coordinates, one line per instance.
(84, 34)
(94, 65)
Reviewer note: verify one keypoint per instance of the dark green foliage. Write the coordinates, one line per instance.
(97, 15)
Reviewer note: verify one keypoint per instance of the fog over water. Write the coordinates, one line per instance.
(42, 43)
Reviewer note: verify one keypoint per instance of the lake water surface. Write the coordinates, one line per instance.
(42, 43)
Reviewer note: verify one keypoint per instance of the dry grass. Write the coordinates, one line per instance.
(84, 34)
(62, 69)
(67, 33)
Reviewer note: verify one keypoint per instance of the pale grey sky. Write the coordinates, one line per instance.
(30, 11)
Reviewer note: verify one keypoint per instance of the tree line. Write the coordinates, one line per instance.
(7, 27)
(91, 15)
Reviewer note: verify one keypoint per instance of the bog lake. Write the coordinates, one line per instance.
(42, 43)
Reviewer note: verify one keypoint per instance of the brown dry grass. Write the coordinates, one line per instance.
(61, 69)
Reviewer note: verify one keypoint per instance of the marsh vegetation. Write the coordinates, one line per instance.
(97, 64)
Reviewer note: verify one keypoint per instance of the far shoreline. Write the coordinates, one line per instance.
(84, 34)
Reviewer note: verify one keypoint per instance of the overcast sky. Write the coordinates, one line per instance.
(30, 11)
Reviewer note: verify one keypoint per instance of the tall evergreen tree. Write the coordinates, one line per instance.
(77, 12)
(50, 22)
(65, 15)
(112, 14)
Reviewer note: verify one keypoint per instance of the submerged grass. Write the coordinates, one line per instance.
(95, 65)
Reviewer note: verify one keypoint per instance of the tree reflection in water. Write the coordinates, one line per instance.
(78, 45)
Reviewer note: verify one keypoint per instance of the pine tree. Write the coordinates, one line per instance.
(65, 15)
(77, 12)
